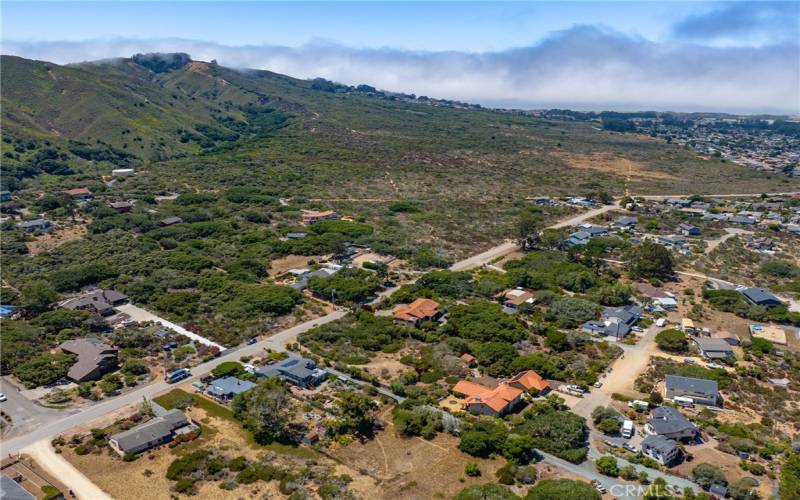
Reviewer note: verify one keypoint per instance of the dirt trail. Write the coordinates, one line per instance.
(56, 465)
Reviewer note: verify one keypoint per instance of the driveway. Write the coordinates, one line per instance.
(141, 315)
(65, 423)
(57, 466)
(485, 257)
(623, 373)
(574, 221)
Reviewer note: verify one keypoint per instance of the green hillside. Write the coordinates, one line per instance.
(199, 126)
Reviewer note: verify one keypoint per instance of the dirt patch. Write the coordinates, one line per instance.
(280, 266)
(386, 366)
(729, 464)
(608, 162)
(54, 239)
(413, 467)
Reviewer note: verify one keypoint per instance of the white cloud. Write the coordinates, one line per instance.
(583, 68)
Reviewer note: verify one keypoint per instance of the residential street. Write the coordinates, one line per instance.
(67, 422)
(25, 414)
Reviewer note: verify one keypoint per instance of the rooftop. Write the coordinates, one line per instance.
(419, 309)
(702, 386)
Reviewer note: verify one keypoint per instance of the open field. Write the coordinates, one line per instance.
(413, 467)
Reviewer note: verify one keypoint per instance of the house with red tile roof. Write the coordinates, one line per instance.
(529, 380)
(312, 217)
(79, 194)
(417, 312)
(500, 400)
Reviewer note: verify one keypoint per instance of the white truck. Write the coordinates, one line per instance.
(627, 429)
(638, 405)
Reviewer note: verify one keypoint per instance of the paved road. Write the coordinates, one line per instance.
(141, 315)
(57, 466)
(52, 429)
(25, 414)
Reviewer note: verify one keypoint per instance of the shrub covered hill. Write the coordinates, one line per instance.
(460, 173)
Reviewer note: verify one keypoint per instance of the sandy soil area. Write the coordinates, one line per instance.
(414, 467)
(56, 238)
(279, 266)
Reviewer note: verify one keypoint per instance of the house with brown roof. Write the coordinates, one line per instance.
(79, 194)
(417, 312)
(95, 358)
(469, 359)
(323, 215)
(516, 297)
(101, 302)
(121, 207)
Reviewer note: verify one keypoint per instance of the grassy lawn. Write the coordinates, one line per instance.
(212, 409)
(170, 399)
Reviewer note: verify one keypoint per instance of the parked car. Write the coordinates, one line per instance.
(689, 361)
(3, 397)
(715, 366)
(252, 341)
(598, 384)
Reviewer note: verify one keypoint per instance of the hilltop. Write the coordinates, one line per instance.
(192, 125)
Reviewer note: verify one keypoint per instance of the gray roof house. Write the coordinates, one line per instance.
(154, 432)
(95, 358)
(226, 388)
(302, 372)
(712, 348)
(11, 490)
(615, 321)
(699, 390)
(661, 448)
(761, 297)
(101, 302)
(30, 226)
(625, 221)
(670, 423)
(578, 238)
(594, 230)
(671, 240)
(169, 221)
(687, 229)
(738, 219)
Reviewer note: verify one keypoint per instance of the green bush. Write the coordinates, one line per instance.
(472, 469)
(607, 466)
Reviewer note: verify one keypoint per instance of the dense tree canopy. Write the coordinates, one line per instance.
(650, 260)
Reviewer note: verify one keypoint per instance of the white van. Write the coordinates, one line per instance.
(627, 429)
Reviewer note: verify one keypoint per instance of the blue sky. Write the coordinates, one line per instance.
(688, 55)
(467, 26)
